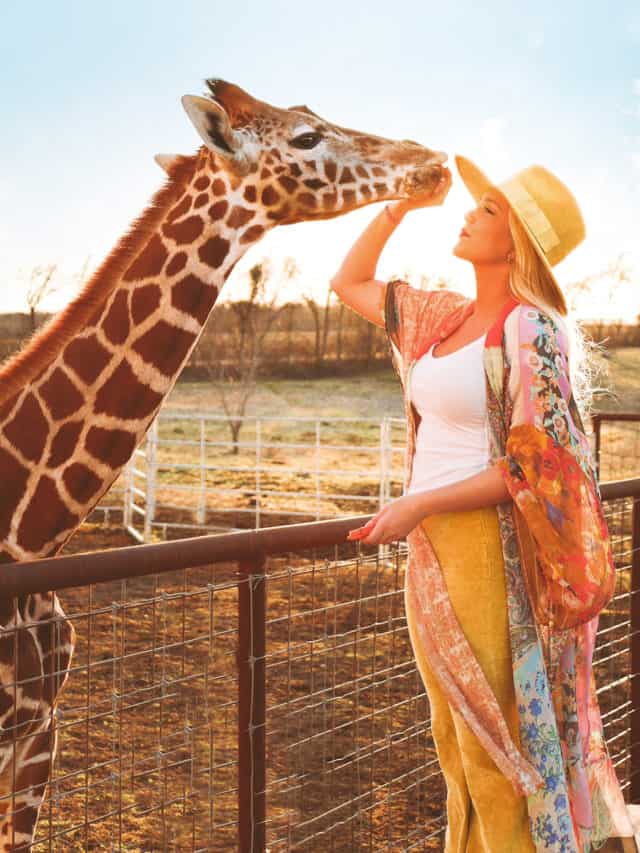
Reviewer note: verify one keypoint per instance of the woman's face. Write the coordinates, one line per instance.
(486, 238)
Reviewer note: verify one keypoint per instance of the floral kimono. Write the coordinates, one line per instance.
(563, 767)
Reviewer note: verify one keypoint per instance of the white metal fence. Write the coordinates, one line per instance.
(189, 475)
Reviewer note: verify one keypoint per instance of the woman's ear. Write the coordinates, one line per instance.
(212, 123)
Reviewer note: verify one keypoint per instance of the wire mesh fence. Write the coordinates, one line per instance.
(239, 702)
(617, 444)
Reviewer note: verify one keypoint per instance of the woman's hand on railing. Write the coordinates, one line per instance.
(393, 521)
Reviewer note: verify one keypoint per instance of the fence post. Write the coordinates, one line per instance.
(634, 609)
(151, 460)
(596, 420)
(128, 495)
(258, 471)
(201, 512)
(317, 471)
(252, 606)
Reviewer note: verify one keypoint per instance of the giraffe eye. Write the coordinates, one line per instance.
(306, 140)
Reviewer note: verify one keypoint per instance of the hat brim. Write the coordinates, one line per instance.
(478, 183)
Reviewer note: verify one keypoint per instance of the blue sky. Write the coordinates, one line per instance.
(92, 90)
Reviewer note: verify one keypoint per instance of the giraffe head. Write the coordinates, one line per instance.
(302, 167)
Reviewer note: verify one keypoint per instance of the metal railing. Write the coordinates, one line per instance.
(257, 691)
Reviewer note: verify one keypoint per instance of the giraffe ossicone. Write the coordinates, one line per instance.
(79, 399)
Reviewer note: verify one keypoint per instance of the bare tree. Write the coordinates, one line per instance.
(251, 320)
(321, 323)
(40, 285)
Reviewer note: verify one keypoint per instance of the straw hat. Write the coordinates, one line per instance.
(543, 204)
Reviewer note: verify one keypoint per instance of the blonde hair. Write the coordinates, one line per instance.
(530, 282)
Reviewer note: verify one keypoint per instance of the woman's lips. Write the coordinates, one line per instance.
(463, 233)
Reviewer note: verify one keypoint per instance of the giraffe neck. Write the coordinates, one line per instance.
(65, 437)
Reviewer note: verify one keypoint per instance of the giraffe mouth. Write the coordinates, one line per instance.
(421, 179)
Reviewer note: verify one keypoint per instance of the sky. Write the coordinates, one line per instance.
(91, 91)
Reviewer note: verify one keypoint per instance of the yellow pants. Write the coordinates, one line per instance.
(484, 813)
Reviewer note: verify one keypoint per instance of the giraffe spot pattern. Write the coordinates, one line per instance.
(202, 183)
(361, 171)
(269, 195)
(177, 263)
(289, 184)
(185, 231)
(81, 482)
(87, 358)
(64, 443)
(123, 396)
(7, 407)
(200, 200)
(349, 197)
(149, 262)
(218, 187)
(45, 517)
(214, 251)
(144, 301)
(28, 429)
(308, 200)
(218, 210)
(114, 447)
(347, 176)
(252, 234)
(165, 347)
(180, 209)
(116, 323)
(239, 216)
(13, 476)
(194, 297)
(250, 193)
(61, 396)
(315, 183)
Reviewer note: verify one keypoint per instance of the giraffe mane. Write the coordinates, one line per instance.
(21, 368)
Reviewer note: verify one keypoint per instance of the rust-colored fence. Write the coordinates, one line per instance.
(257, 691)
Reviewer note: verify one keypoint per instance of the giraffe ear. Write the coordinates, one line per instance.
(166, 161)
(212, 123)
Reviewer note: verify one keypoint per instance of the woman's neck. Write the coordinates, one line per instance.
(492, 290)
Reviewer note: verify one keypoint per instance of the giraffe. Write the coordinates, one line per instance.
(76, 402)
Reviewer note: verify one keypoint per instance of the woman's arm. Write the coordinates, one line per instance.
(355, 282)
(398, 518)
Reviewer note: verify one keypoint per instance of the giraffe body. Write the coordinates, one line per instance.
(76, 403)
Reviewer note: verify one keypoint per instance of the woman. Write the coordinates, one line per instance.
(509, 554)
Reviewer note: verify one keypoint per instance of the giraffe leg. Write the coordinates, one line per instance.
(33, 762)
(28, 738)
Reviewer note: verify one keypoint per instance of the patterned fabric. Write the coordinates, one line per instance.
(574, 799)
(549, 474)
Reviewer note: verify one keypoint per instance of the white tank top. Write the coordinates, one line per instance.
(449, 393)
